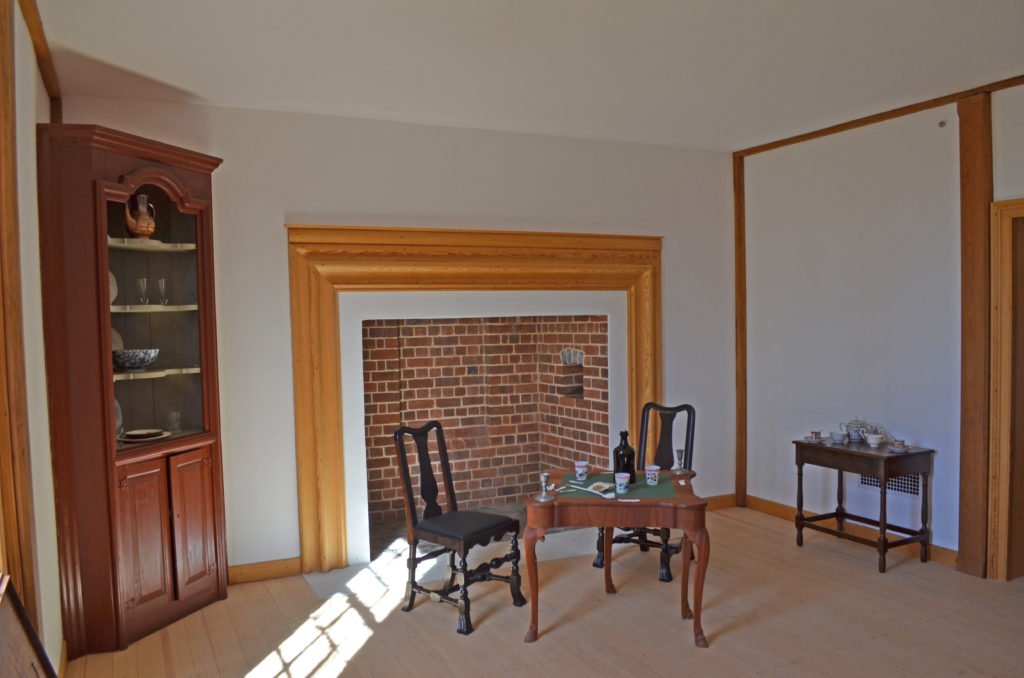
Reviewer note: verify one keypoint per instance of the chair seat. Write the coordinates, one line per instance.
(468, 526)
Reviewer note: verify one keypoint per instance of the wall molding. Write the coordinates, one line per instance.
(1015, 81)
(976, 181)
(325, 260)
(44, 60)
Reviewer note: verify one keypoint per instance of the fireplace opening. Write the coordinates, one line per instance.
(515, 395)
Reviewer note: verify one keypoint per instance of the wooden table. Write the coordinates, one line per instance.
(685, 511)
(880, 462)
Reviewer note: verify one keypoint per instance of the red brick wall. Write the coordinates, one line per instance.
(496, 386)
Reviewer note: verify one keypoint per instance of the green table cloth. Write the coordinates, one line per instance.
(638, 490)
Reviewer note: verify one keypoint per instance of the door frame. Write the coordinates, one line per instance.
(1003, 213)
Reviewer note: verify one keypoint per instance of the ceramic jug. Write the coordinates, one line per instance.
(140, 216)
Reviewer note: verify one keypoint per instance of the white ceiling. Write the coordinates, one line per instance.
(713, 74)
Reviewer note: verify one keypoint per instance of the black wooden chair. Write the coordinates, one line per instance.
(453, 530)
(657, 537)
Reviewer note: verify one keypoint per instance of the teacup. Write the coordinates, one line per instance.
(581, 470)
(837, 436)
(652, 474)
(874, 439)
(816, 435)
(898, 445)
(621, 483)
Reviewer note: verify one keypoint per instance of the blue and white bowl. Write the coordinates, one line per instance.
(134, 358)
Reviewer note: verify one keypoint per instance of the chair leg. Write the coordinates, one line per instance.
(465, 623)
(666, 556)
(599, 560)
(450, 573)
(514, 579)
(410, 592)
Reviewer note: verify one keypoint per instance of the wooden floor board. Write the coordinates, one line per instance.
(770, 609)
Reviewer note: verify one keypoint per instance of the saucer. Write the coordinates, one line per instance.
(809, 439)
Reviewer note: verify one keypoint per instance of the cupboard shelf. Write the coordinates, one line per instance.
(154, 374)
(153, 308)
(136, 245)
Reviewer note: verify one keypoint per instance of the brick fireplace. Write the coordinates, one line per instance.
(514, 395)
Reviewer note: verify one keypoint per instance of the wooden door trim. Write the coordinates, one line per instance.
(1000, 413)
(17, 522)
(325, 260)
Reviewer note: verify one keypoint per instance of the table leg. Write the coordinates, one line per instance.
(925, 531)
(685, 555)
(530, 538)
(840, 511)
(799, 504)
(609, 587)
(883, 544)
(703, 544)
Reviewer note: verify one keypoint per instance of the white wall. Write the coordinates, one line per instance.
(31, 106)
(286, 168)
(853, 265)
(1008, 143)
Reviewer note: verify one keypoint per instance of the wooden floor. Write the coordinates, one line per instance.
(770, 609)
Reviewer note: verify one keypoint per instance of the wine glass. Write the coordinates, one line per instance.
(163, 291)
(141, 284)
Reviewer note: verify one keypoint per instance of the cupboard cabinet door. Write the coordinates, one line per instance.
(193, 521)
(146, 580)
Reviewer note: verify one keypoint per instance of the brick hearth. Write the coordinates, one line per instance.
(508, 404)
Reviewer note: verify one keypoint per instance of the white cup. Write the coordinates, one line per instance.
(581, 470)
(652, 474)
(621, 483)
(837, 436)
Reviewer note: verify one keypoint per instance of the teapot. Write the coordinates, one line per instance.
(855, 428)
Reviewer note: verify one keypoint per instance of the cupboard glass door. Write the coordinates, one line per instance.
(154, 318)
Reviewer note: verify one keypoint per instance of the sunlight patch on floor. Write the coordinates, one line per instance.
(331, 636)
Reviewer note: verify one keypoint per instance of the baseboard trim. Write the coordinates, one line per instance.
(939, 554)
(269, 569)
(720, 501)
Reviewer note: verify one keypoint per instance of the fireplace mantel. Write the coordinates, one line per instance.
(326, 260)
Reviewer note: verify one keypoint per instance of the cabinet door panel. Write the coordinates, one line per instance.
(192, 511)
(143, 540)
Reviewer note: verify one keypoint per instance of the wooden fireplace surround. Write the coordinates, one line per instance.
(326, 260)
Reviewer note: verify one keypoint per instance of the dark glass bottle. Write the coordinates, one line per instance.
(624, 457)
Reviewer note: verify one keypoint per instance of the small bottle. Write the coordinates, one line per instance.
(624, 457)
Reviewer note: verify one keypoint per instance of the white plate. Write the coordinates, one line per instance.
(815, 440)
(113, 287)
(155, 434)
(116, 342)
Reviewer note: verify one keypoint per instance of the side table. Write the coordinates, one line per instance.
(880, 462)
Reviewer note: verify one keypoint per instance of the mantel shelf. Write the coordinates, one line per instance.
(154, 374)
(137, 245)
(153, 308)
